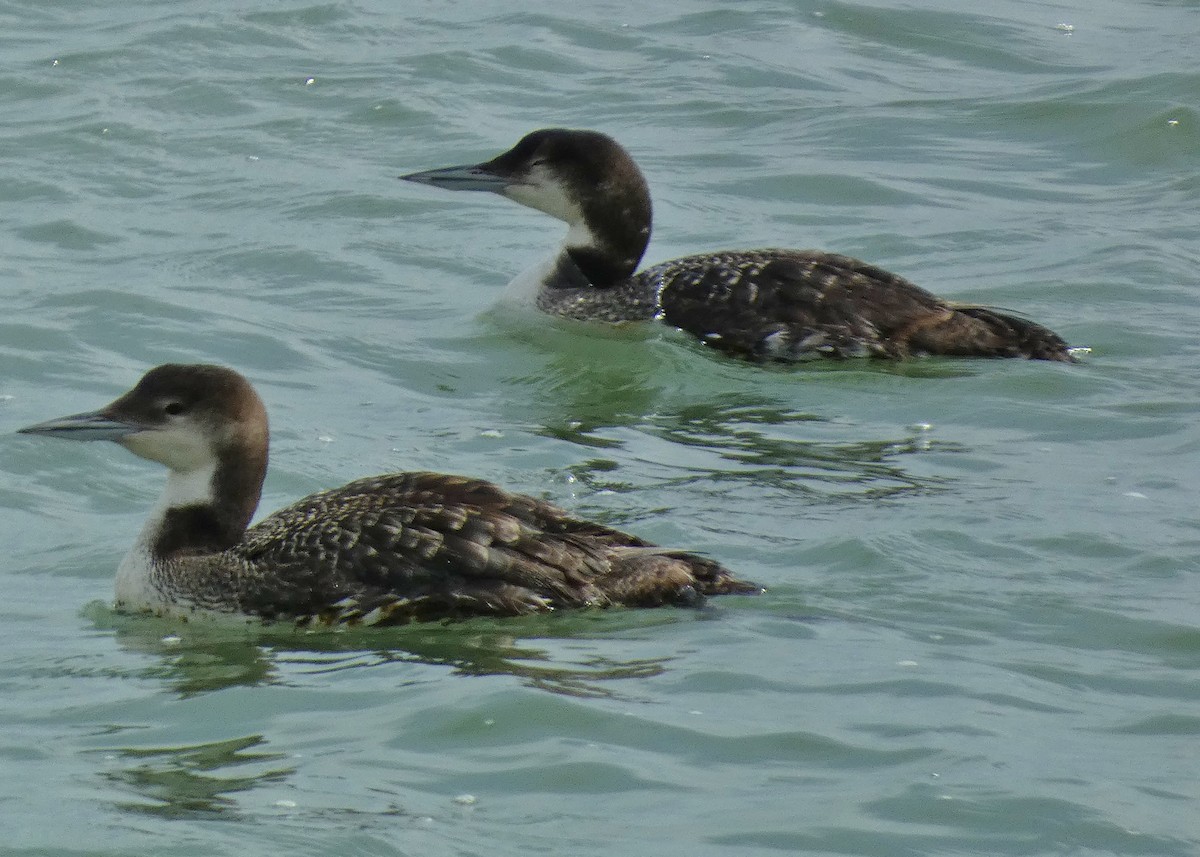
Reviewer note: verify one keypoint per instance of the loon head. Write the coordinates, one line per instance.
(583, 178)
(206, 424)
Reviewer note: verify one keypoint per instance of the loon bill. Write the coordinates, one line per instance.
(381, 550)
(767, 304)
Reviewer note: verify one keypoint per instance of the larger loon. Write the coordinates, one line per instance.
(759, 304)
(381, 550)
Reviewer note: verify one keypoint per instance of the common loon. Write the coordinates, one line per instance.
(766, 304)
(381, 550)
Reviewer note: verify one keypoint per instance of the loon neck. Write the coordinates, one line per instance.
(597, 268)
(205, 510)
(610, 230)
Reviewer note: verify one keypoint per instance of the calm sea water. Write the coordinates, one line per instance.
(980, 634)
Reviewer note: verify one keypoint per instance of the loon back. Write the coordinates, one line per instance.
(417, 546)
(383, 550)
(756, 304)
(802, 304)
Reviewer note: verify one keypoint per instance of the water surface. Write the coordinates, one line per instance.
(980, 631)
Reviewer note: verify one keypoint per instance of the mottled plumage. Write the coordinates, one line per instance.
(755, 304)
(428, 545)
(797, 304)
(381, 550)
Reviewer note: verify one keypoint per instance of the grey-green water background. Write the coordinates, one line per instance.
(980, 634)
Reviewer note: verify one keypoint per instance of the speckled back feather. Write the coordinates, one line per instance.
(405, 546)
(802, 304)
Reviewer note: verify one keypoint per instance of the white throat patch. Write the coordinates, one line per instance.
(135, 576)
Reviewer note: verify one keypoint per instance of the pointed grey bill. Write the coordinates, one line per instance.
(93, 425)
(468, 177)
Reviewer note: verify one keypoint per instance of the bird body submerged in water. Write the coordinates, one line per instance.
(759, 304)
(382, 550)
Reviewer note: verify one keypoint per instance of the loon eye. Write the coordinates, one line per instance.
(173, 408)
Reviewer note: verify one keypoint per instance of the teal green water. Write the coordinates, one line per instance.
(980, 633)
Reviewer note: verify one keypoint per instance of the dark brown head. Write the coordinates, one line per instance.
(205, 423)
(583, 178)
(188, 415)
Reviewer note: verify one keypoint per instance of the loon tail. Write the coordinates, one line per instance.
(985, 331)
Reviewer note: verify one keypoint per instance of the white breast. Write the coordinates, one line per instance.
(135, 576)
(524, 288)
(135, 587)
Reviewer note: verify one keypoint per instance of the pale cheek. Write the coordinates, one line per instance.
(145, 444)
(180, 451)
(545, 197)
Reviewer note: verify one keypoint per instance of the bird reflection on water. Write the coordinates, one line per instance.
(199, 657)
(204, 780)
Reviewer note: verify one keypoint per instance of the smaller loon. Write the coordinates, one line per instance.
(766, 304)
(381, 550)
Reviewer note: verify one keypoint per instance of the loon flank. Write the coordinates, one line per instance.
(757, 304)
(382, 550)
